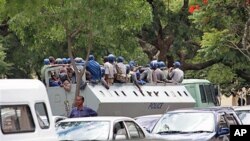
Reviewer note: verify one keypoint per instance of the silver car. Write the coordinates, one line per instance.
(100, 128)
(243, 113)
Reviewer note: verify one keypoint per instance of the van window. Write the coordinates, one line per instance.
(42, 115)
(203, 95)
(16, 119)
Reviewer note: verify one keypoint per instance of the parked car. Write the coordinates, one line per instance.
(243, 113)
(100, 128)
(56, 119)
(197, 124)
(148, 121)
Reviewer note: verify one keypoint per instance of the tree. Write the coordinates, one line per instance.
(76, 26)
(3, 65)
(172, 36)
(223, 24)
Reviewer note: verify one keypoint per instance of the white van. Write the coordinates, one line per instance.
(22, 104)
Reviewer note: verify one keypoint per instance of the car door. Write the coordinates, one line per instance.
(134, 131)
(222, 124)
(119, 131)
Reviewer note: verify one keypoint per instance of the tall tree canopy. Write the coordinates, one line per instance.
(208, 37)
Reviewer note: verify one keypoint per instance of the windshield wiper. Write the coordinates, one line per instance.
(168, 132)
(199, 131)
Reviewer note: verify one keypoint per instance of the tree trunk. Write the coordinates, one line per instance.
(164, 47)
(78, 74)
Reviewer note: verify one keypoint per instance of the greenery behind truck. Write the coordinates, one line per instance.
(203, 91)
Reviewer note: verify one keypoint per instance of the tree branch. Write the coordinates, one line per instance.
(199, 66)
(243, 74)
(240, 50)
(148, 48)
(4, 27)
(77, 31)
(185, 5)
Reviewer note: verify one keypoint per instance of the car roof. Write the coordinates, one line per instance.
(239, 108)
(149, 116)
(207, 109)
(98, 118)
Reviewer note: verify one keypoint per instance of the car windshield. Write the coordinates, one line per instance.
(83, 130)
(244, 116)
(148, 122)
(185, 122)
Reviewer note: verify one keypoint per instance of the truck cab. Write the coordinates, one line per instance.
(23, 103)
(203, 91)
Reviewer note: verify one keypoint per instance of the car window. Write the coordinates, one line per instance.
(134, 130)
(83, 130)
(230, 119)
(16, 119)
(185, 122)
(147, 122)
(119, 131)
(42, 115)
(222, 122)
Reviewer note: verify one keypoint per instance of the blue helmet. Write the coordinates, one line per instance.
(132, 63)
(111, 58)
(46, 61)
(120, 59)
(161, 64)
(91, 57)
(153, 64)
(65, 60)
(68, 60)
(177, 64)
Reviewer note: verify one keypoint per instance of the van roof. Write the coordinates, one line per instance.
(189, 81)
(22, 91)
(11, 84)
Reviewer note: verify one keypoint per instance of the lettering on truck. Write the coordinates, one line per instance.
(155, 106)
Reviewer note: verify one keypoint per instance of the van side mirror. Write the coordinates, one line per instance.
(223, 131)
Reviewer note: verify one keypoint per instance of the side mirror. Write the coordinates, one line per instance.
(148, 130)
(120, 137)
(223, 131)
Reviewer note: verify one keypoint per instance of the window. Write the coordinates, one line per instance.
(119, 131)
(42, 115)
(16, 119)
(222, 122)
(208, 93)
(203, 96)
(134, 130)
(230, 119)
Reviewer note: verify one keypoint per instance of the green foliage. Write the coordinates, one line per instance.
(4, 67)
(40, 28)
(222, 24)
(225, 76)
